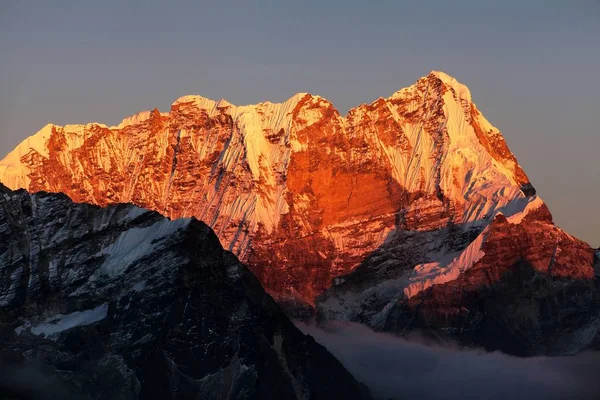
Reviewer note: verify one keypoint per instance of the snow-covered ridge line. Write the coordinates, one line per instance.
(253, 120)
(211, 105)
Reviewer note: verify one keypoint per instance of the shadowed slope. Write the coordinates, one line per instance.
(123, 303)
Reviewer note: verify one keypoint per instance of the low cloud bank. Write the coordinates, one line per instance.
(394, 368)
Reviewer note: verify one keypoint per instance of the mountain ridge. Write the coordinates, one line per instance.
(302, 194)
(37, 141)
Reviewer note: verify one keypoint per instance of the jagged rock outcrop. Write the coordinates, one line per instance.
(125, 304)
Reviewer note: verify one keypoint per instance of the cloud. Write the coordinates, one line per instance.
(395, 368)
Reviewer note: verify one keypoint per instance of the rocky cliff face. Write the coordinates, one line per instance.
(125, 304)
(355, 216)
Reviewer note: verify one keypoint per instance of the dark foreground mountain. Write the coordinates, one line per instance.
(122, 303)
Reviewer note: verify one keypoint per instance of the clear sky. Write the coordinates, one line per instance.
(532, 66)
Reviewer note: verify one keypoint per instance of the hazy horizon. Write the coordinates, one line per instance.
(532, 69)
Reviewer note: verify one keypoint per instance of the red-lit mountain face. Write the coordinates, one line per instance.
(418, 189)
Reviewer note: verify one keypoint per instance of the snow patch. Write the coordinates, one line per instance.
(135, 243)
(56, 324)
(139, 287)
(135, 212)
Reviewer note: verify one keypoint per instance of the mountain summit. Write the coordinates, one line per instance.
(410, 191)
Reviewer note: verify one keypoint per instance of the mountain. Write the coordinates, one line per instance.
(521, 286)
(123, 303)
(359, 217)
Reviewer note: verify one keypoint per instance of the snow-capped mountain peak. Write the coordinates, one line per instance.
(296, 190)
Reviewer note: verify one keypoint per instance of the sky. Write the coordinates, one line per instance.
(532, 67)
